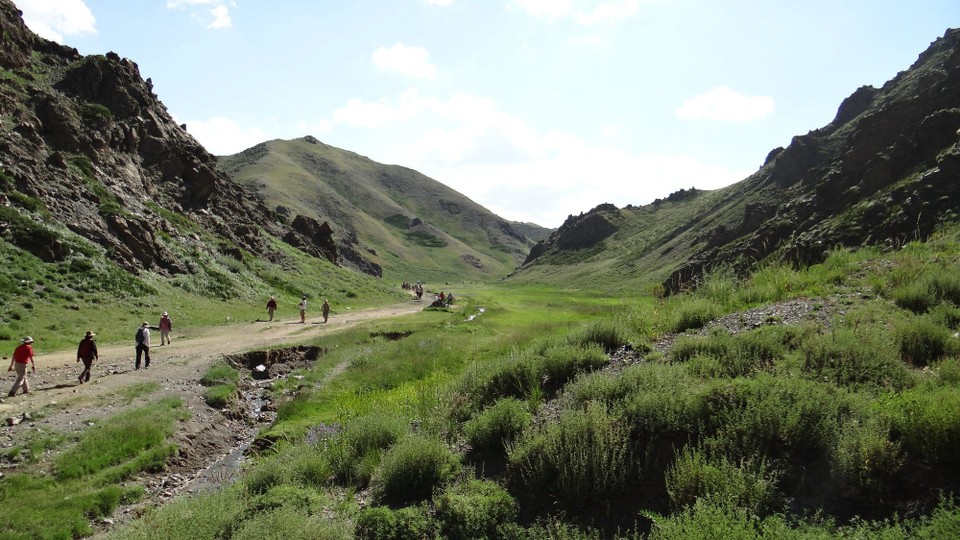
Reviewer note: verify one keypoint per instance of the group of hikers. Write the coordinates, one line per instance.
(88, 354)
(417, 288)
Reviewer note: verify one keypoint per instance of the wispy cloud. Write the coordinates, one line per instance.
(723, 104)
(54, 19)
(215, 14)
(469, 143)
(585, 12)
(408, 61)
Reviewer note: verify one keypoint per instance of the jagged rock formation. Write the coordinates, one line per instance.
(580, 232)
(883, 172)
(85, 142)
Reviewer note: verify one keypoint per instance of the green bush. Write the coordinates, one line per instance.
(948, 370)
(922, 340)
(300, 465)
(584, 459)
(709, 520)
(695, 475)
(407, 523)
(290, 523)
(607, 333)
(926, 420)
(935, 284)
(694, 313)
(356, 451)
(474, 510)
(857, 359)
(559, 365)
(412, 469)
(866, 457)
(774, 417)
(489, 433)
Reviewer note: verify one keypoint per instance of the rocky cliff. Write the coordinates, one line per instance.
(85, 144)
(884, 172)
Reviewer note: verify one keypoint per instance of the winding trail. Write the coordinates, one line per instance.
(58, 405)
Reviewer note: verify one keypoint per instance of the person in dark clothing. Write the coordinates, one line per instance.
(143, 346)
(271, 307)
(87, 353)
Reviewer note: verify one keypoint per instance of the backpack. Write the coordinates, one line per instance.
(139, 337)
(85, 349)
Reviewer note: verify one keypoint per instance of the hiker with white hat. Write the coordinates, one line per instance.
(22, 355)
(166, 325)
(87, 352)
(143, 345)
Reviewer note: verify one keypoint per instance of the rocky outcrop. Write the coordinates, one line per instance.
(579, 232)
(883, 172)
(90, 147)
(312, 237)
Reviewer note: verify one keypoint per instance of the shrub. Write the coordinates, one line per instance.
(412, 469)
(694, 313)
(474, 510)
(866, 457)
(301, 465)
(290, 523)
(932, 286)
(490, 431)
(774, 417)
(694, 475)
(948, 370)
(559, 365)
(382, 523)
(926, 420)
(356, 452)
(583, 459)
(709, 520)
(923, 341)
(609, 334)
(862, 358)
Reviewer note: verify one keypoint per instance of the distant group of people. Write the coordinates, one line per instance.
(86, 353)
(417, 288)
(324, 308)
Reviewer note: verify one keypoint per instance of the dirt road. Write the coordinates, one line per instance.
(58, 404)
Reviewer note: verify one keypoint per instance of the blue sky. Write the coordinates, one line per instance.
(536, 109)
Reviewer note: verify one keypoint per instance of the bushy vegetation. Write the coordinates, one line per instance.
(826, 427)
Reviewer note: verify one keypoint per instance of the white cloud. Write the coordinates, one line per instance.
(522, 173)
(443, 3)
(221, 18)
(408, 61)
(218, 15)
(222, 136)
(585, 12)
(54, 19)
(722, 103)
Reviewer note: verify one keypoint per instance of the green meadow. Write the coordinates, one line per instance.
(514, 425)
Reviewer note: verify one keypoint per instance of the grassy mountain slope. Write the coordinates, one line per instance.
(412, 226)
(885, 171)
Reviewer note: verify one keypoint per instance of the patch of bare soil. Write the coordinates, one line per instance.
(210, 442)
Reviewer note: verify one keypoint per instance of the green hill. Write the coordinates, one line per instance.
(411, 226)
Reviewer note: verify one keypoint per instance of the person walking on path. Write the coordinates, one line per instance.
(271, 307)
(166, 325)
(326, 310)
(21, 356)
(143, 346)
(303, 309)
(87, 352)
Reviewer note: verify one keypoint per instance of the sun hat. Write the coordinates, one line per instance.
(164, 313)
(27, 339)
(89, 334)
(145, 323)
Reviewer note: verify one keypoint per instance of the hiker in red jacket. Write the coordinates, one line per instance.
(22, 355)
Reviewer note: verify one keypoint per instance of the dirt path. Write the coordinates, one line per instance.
(58, 405)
